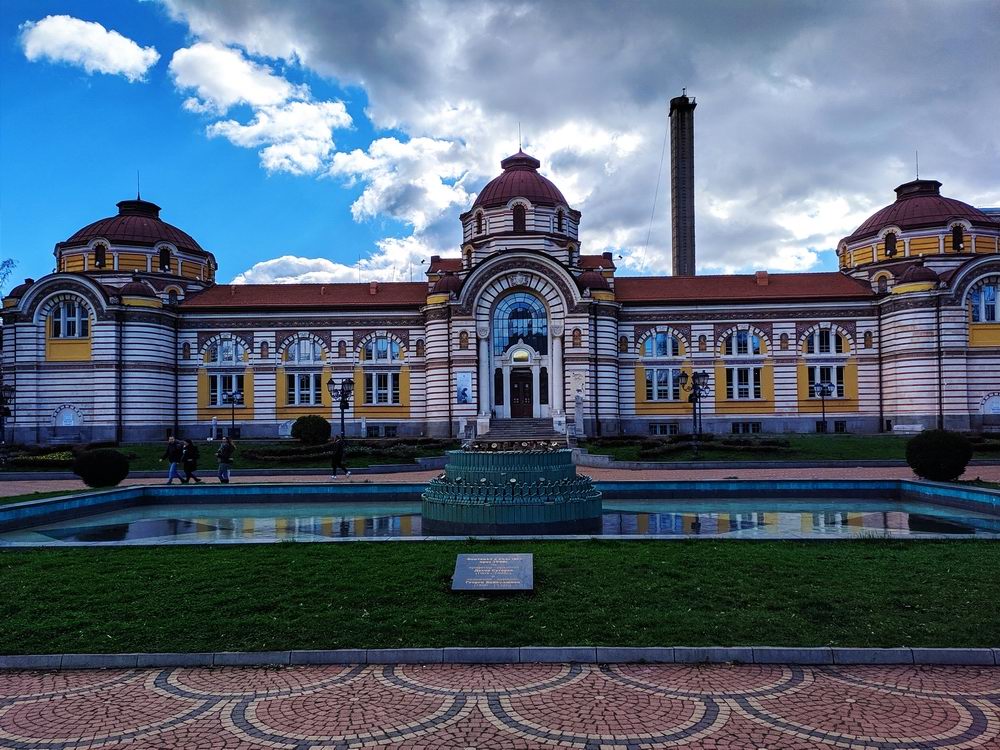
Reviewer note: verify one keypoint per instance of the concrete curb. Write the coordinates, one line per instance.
(515, 655)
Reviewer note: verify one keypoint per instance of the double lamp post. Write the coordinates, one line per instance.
(341, 394)
(697, 385)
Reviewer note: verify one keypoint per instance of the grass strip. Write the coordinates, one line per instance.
(384, 595)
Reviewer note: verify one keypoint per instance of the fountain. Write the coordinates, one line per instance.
(511, 487)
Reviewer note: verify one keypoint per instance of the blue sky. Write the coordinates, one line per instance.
(807, 120)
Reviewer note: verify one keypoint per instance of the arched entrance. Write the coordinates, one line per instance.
(519, 349)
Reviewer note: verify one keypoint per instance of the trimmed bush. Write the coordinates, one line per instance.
(102, 467)
(311, 430)
(938, 455)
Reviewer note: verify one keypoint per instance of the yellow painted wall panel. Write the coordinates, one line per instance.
(984, 335)
(73, 263)
(862, 255)
(67, 350)
(925, 245)
(395, 411)
(131, 262)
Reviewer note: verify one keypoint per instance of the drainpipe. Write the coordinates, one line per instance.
(119, 377)
(177, 385)
(881, 397)
(451, 425)
(940, 363)
(593, 337)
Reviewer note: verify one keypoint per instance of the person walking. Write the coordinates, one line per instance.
(189, 460)
(173, 455)
(337, 457)
(225, 456)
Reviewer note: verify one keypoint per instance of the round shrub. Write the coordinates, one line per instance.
(938, 455)
(311, 430)
(101, 467)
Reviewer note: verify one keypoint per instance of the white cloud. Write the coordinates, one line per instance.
(295, 131)
(88, 45)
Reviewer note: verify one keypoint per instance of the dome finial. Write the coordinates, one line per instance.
(138, 195)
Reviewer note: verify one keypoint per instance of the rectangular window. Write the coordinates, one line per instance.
(663, 384)
(826, 374)
(743, 383)
(381, 388)
(220, 384)
(390, 430)
(371, 431)
(745, 428)
(663, 428)
(303, 389)
(70, 321)
(840, 426)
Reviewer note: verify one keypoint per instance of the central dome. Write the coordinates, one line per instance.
(138, 223)
(519, 179)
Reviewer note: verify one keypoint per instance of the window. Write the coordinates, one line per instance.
(784, 342)
(70, 320)
(479, 223)
(957, 240)
(826, 374)
(390, 431)
(623, 345)
(381, 388)
(341, 349)
(520, 317)
(543, 385)
(420, 347)
(869, 342)
(890, 244)
(100, 256)
(663, 428)
(186, 351)
(164, 255)
(226, 352)
(463, 340)
(663, 384)
(498, 387)
(742, 343)
(264, 350)
(371, 431)
(825, 341)
(883, 285)
(745, 428)
(303, 389)
(304, 351)
(381, 349)
(840, 426)
(220, 384)
(743, 383)
(519, 218)
(172, 297)
(702, 344)
(559, 220)
(983, 299)
(661, 345)
(577, 337)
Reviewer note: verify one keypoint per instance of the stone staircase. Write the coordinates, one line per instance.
(522, 429)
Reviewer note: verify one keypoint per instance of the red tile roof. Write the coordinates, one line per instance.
(597, 261)
(782, 287)
(387, 294)
(440, 265)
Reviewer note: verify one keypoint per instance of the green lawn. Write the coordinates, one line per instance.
(803, 448)
(302, 596)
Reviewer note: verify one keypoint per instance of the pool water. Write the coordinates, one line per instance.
(207, 523)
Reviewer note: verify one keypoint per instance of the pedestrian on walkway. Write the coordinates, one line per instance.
(225, 456)
(190, 461)
(173, 455)
(337, 457)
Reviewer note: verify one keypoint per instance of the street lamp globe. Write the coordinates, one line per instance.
(331, 387)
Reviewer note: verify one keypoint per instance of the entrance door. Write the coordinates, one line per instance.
(521, 397)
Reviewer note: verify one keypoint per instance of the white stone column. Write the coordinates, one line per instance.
(484, 373)
(505, 412)
(556, 378)
(535, 397)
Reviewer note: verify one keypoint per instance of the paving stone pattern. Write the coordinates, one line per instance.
(522, 706)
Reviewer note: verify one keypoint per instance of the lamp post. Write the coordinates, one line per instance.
(697, 386)
(232, 398)
(6, 399)
(823, 391)
(341, 394)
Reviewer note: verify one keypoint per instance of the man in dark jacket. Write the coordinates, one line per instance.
(225, 456)
(190, 461)
(174, 455)
(337, 457)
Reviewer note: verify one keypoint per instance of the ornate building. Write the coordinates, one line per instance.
(131, 338)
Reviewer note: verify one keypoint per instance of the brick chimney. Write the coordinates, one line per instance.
(761, 278)
(373, 288)
(682, 184)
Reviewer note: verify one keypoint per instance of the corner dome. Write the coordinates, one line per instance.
(918, 272)
(919, 204)
(519, 179)
(592, 280)
(138, 223)
(136, 288)
(448, 283)
(20, 289)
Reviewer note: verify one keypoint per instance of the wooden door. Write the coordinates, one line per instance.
(521, 396)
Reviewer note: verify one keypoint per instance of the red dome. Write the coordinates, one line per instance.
(520, 179)
(918, 272)
(448, 283)
(136, 288)
(20, 289)
(137, 223)
(920, 204)
(592, 280)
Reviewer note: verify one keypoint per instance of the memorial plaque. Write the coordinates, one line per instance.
(497, 572)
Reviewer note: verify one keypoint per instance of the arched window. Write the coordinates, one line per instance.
(783, 342)
(890, 244)
(304, 350)
(741, 343)
(577, 337)
(186, 351)
(100, 256)
(559, 220)
(957, 239)
(463, 340)
(467, 256)
(825, 341)
(702, 344)
(381, 349)
(883, 285)
(983, 301)
(225, 352)
(265, 351)
(519, 218)
(420, 347)
(69, 320)
(172, 297)
(868, 340)
(623, 345)
(341, 349)
(479, 223)
(661, 345)
(520, 317)
(164, 258)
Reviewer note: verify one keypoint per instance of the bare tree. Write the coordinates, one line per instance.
(6, 268)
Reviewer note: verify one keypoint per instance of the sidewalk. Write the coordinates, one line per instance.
(987, 473)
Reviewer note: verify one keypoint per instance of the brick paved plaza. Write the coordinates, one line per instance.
(505, 706)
